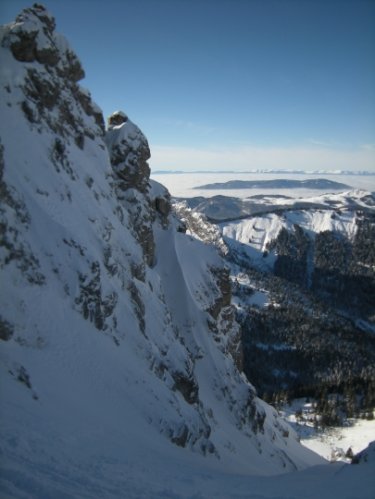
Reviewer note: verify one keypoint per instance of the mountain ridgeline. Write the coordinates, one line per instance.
(118, 335)
(316, 183)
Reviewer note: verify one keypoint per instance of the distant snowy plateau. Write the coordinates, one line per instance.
(318, 184)
(121, 357)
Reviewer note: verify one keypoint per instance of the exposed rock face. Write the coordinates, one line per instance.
(28, 45)
(161, 202)
(144, 201)
(129, 152)
(116, 119)
(52, 86)
(223, 281)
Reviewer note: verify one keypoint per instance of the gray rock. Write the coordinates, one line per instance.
(129, 152)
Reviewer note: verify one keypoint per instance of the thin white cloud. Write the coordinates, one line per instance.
(250, 157)
(323, 143)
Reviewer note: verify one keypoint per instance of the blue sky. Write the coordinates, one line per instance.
(232, 84)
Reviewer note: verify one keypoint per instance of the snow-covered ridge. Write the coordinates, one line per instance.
(118, 337)
(340, 214)
(257, 221)
(222, 208)
(259, 231)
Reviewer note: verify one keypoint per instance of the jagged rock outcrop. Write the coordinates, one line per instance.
(30, 44)
(47, 103)
(144, 200)
(129, 152)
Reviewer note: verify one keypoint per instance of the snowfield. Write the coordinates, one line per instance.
(332, 443)
(89, 451)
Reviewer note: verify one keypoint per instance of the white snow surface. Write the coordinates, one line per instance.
(257, 232)
(90, 410)
(332, 443)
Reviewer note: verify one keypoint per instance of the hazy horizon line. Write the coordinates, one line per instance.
(271, 171)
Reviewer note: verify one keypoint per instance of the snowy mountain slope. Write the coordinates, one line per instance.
(319, 273)
(225, 209)
(304, 290)
(118, 340)
(252, 224)
(327, 250)
(259, 231)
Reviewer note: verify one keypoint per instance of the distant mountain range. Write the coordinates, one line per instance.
(319, 183)
(272, 172)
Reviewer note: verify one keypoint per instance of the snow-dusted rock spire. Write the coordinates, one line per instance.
(129, 152)
(29, 43)
(52, 97)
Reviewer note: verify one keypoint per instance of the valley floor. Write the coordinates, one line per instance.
(332, 443)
